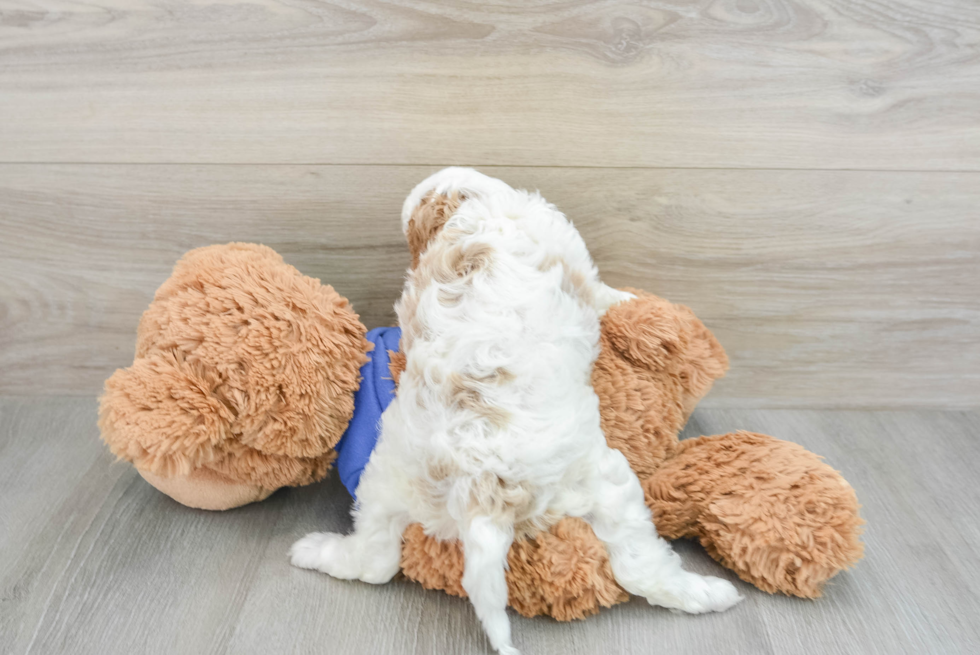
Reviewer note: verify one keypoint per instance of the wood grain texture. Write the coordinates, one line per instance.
(669, 83)
(96, 561)
(827, 288)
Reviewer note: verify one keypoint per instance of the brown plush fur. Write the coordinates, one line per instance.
(243, 382)
(243, 367)
(563, 573)
(768, 509)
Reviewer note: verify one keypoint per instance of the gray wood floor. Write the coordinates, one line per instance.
(95, 561)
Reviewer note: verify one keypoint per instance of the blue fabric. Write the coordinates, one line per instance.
(376, 392)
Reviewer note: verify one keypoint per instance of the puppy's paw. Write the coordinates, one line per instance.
(697, 594)
(380, 570)
(321, 551)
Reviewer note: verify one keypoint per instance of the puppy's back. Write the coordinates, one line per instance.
(499, 347)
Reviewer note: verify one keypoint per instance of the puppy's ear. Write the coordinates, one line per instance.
(428, 218)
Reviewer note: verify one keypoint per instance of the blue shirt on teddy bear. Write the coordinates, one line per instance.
(376, 392)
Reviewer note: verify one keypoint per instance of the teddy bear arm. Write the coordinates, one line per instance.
(768, 509)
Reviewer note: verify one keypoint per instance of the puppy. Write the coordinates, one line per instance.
(495, 429)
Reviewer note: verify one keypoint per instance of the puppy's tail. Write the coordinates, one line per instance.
(485, 548)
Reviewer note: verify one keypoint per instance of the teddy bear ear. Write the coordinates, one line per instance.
(646, 330)
(163, 415)
(659, 336)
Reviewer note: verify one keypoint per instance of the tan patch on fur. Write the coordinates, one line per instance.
(504, 502)
(444, 263)
(574, 282)
(527, 528)
(465, 394)
(467, 260)
(549, 263)
(449, 298)
(500, 375)
(411, 322)
(440, 470)
(396, 363)
(427, 219)
(447, 262)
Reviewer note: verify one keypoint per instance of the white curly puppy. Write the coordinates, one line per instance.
(495, 429)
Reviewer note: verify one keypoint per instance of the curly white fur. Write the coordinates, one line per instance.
(495, 429)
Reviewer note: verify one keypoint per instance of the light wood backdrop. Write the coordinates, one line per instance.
(804, 174)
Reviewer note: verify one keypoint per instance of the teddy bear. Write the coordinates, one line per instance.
(243, 382)
(249, 377)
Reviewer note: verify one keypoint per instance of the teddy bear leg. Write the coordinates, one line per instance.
(206, 489)
(373, 551)
(642, 562)
(770, 510)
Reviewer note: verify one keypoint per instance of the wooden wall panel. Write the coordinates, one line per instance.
(827, 288)
(669, 83)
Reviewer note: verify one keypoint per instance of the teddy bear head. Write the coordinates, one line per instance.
(243, 380)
